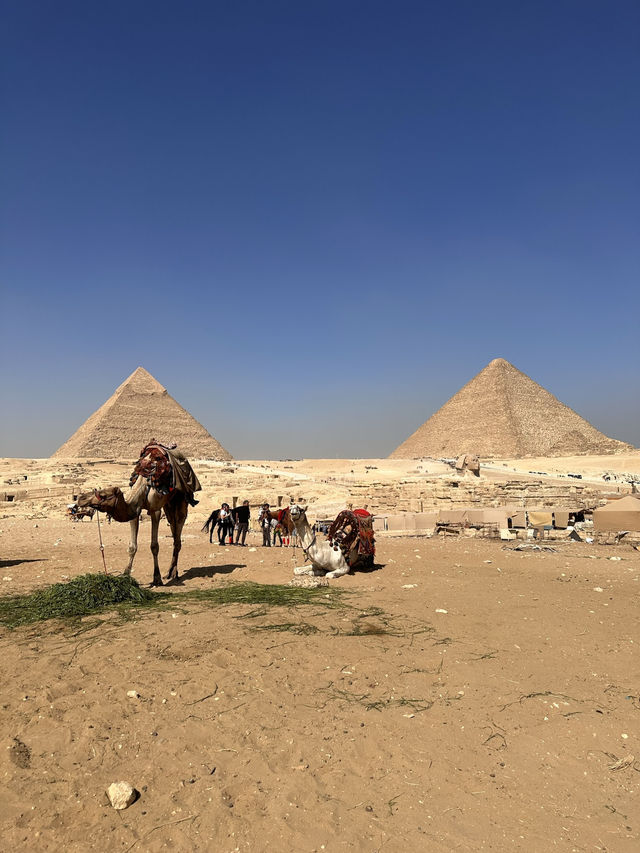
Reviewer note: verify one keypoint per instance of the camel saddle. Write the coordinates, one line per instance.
(352, 533)
(166, 470)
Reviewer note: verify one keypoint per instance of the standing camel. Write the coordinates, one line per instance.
(152, 489)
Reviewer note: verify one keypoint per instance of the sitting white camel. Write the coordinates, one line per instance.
(325, 559)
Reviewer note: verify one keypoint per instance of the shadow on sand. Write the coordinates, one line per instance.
(5, 564)
(207, 572)
(366, 570)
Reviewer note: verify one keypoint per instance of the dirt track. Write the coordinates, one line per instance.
(493, 726)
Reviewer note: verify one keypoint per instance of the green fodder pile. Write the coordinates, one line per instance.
(78, 597)
(90, 593)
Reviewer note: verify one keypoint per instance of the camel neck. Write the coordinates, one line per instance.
(135, 498)
(305, 533)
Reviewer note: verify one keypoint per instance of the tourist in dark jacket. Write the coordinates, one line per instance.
(242, 515)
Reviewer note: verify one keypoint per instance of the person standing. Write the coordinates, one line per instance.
(242, 516)
(277, 531)
(264, 521)
(225, 524)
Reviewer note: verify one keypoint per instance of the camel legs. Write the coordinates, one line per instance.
(176, 516)
(341, 570)
(133, 545)
(134, 524)
(308, 570)
(155, 524)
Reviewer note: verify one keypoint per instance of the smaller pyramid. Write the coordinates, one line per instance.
(503, 413)
(140, 409)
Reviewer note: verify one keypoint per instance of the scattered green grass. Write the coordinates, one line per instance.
(303, 628)
(274, 595)
(91, 593)
(381, 704)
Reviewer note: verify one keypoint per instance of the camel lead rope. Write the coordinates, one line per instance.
(101, 545)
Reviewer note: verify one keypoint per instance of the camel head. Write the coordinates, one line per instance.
(109, 500)
(297, 512)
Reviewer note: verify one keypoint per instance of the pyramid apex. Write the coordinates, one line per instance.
(142, 381)
(499, 362)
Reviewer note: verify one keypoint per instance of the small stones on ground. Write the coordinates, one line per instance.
(253, 549)
(628, 761)
(133, 694)
(121, 795)
(308, 582)
(441, 610)
(598, 589)
(409, 586)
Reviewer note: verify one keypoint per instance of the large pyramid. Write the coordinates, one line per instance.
(502, 413)
(140, 409)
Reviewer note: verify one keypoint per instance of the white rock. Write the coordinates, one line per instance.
(253, 549)
(440, 610)
(121, 795)
(133, 694)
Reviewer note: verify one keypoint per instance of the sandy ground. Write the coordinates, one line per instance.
(488, 714)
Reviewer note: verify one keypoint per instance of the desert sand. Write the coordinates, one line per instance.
(467, 697)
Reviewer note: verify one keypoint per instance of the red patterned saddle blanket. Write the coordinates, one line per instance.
(352, 532)
(155, 466)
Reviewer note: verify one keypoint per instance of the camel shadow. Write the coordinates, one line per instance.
(5, 564)
(207, 572)
(366, 570)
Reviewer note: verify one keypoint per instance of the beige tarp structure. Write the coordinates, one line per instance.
(519, 519)
(539, 518)
(426, 520)
(498, 516)
(623, 514)
(561, 518)
(452, 516)
(400, 522)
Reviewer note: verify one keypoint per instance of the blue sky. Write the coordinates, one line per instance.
(313, 222)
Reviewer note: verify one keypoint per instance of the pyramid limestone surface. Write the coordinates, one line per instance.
(503, 413)
(140, 409)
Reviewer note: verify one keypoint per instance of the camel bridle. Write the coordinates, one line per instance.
(300, 514)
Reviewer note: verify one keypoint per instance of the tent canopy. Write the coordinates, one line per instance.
(623, 514)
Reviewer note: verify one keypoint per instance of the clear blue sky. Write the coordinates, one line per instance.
(314, 221)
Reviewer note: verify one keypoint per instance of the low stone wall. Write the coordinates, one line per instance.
(417, 497)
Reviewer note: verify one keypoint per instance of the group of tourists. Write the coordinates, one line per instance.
(232, 525)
